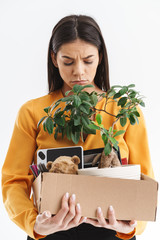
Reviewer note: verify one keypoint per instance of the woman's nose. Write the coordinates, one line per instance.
(78, 69)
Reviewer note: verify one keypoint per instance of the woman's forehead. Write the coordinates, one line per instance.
(80, 47)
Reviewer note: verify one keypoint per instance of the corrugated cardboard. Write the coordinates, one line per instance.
(131, 199)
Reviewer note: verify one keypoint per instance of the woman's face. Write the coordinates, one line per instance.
(77, 63)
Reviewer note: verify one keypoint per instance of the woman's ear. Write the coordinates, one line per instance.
(53, 57)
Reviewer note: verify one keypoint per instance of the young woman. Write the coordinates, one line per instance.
(76, 55)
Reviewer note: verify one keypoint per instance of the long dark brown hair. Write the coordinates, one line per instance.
(69, 29)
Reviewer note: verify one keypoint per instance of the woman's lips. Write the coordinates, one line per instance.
(80, 82)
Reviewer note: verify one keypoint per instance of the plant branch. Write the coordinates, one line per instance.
(102, 110)
(115, 122)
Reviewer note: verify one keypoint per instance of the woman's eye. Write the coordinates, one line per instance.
(68, 64)
(88, 62)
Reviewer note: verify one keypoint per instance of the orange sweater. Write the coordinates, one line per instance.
(27, 139)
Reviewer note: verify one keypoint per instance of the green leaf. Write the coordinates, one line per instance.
(86, 125)
(116, 86)
(131, 85)
(84, 108)
(113, 140)
(116, 147)
(128, 104)
(121, 112)
(134, 100)
(63, 132)
(47, 109)
(85, 121)
(40, 121)
(142, 103)
(57, 111)
(56, 132)
(107, 149)
(68, 132)
(132, 94)
(44, 125)
(77, 88)
(93, 99)
(67, 99)
(77, 101)
(68, 107)
(89, 130)
(119, 133)
(122, 101)
(123, 121)
(110, 130)
(110, 93)
(75, 137)
(117, 95)
(101, 125)
(77, 120)
(123, 90)
(55, 105)
(132, 119)
(87, 86)
(103, 95)
(104, 138)
(99, 118)
(136, 119)
(49, 125)
(68, 92)
(59, 121)
(84, 96)
(106, 132)
(58, 114)
(92, 126)
(87, 103)
(136, 113)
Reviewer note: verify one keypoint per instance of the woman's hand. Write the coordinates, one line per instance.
(68, 216)
(113, 224)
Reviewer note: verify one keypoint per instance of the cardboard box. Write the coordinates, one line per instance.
(131, 199)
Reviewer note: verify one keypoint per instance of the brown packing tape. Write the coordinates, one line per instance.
(131, 199)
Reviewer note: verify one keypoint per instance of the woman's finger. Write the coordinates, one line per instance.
(59, 217)
(111, 216)
(101, 218)
(71, 213)
(82, 220)
(133, 223)
(92, 222)
(78, 219)
(41, 218)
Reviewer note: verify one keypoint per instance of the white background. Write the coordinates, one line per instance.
(131, 29)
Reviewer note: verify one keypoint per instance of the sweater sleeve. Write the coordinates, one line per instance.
(16, 181)
(137, 142)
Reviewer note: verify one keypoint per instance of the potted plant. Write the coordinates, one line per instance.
(74, 120)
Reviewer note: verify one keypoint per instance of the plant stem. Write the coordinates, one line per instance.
(102, 110)
(115, 123)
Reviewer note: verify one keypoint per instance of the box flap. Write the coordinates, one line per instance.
(37, 191)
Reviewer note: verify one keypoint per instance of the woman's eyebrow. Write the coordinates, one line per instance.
(88, 56)
(73, 58)
(67, 57)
